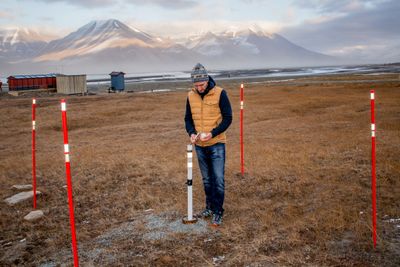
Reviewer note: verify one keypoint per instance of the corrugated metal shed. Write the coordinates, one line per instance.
(71, 84)
(31, 82)
(50, 75)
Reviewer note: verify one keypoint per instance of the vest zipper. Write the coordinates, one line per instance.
(202, 122)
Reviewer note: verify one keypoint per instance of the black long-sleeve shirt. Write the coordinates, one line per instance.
(224, 105)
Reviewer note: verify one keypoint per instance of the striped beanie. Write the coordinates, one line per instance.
(199, 74)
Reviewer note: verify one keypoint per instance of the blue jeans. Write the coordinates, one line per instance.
(212, 166)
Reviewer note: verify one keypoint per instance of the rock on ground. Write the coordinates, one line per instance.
(22, 186)
(20, 197)
(34, 215)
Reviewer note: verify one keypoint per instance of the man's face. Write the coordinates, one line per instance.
(201, 86)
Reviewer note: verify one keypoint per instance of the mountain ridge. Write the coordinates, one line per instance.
(110, 44)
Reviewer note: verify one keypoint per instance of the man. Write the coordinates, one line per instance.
(208, 115)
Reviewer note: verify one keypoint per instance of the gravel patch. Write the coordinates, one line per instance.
(147, 227)
(161, 226)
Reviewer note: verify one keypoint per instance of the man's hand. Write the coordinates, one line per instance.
(194, 138)
(205, 137)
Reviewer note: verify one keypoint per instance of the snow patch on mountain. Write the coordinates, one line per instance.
(113, 42)
(97, 36)
(109, 44)
(12, 36)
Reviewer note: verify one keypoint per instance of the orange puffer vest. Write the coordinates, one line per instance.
(206, 114)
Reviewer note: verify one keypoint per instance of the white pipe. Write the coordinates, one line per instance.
(189, 181)
(190, 204)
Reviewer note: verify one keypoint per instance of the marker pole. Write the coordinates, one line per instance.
(373, 167)
(69, 182)
(190, 219)
(34, 151)
(241, 130)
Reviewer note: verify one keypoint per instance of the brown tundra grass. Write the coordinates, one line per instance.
(305, 198)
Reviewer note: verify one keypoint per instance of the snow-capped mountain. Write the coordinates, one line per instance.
(255, 47)
(102, 46)
(95, 37)
(212, 44)
(20, 43)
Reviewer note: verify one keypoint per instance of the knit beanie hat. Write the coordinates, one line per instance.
(199, 74)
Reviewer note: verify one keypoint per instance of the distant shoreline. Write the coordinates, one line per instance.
(250, 73)
(169, 81)
(162, 86)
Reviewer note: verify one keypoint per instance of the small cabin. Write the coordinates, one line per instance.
(71, 84)
(117, 81)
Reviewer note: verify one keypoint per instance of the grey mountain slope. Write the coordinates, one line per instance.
(19, 44)
(96, 33)
(101, 46)
(256, 49)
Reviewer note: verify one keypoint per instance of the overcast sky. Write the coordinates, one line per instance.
(336, 27)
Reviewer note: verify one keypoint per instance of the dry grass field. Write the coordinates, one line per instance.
(305, 199)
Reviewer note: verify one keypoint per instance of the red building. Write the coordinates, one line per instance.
(31, 82)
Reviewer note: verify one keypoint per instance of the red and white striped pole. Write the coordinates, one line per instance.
(34, 151)
(241, 130)
(373, 167)
(69, 182)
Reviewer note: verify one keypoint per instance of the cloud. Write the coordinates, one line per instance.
(47, 19)
(364, 30)
(179, 30)
(6, 15)
(84, 3)
(338, 6)
(171, 4)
